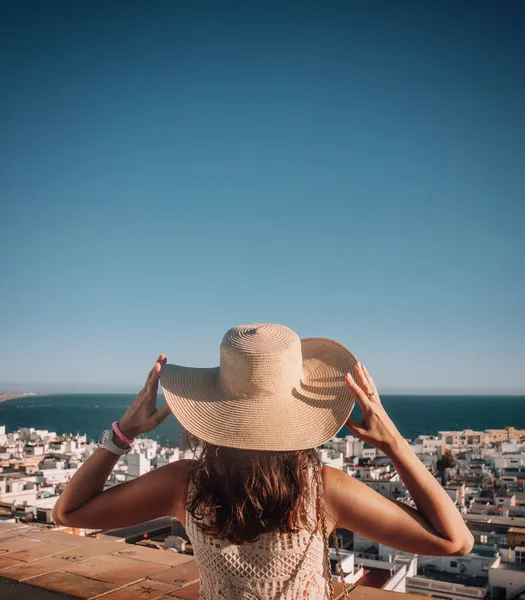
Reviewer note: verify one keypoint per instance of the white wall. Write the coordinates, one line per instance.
(349, 445)
(397, 583)
(369, 452)
(21, 497)
(161, 461)
(511, 521)
(332, 458)
(138, 464)
(352, 571)
(46, 502)
(472, 565)
(507, 501)
(56, 475)
(512, 581)
(443, 589)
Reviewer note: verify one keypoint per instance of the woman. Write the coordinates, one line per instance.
(256, 503)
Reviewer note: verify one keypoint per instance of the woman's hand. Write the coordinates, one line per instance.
(143, 415)
(376, 428)
(436, 528)
(84, 503)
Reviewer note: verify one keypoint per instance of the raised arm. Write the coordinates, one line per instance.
(435, 528)
(84, 503)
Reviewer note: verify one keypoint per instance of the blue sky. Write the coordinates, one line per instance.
(352, 170)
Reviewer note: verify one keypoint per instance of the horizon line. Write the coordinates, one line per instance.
(383, 394)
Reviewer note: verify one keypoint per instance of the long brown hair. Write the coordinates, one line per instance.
(240, 494)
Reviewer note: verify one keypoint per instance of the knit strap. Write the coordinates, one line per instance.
(327, 563)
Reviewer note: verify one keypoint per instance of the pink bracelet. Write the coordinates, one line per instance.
(120, 435)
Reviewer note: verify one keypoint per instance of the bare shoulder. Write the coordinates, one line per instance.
(345, 496)
(172, 478)
(183, 466)
(338, 485)
(331, 483)
(333, 480)
(180, 472)
(354, 505)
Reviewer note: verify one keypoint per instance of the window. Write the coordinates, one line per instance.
(453, 564)
(483, 539)
(520, 557)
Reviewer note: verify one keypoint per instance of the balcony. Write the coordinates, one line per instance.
(38, 564)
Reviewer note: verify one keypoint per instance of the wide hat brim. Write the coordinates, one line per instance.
(296, 419)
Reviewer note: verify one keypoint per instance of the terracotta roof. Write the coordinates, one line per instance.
(88, 568)
(33, 559)
(374, 577)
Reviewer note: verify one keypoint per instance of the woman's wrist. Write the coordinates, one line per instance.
(394, 446)
(126, 432)
(118, 442)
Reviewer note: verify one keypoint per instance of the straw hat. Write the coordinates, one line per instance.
(272, 391)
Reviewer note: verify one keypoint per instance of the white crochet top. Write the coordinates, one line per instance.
(286, 566)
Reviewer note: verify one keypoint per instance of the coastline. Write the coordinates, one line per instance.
(6, 397)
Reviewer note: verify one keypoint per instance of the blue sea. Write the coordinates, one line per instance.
(413, 415)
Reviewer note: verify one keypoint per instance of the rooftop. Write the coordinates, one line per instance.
(481, 551)
(136, 532)
(493, 527)
(511, 566)
(40, 564)
(83, 567)
(456, 578)
(374, 577)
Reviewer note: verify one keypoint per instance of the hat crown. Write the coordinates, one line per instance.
(260, 359)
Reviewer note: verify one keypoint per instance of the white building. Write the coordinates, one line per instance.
(54, 475)
(454, 577)
(138, 465)
(148, 448)
(351, 571)
(17, 491)
(369, 453)
(332, 458)
(34, 450)
(427, 444)
(392, 487)
(506, 500)
(390, 575)
(447, 587)
(164, 459)
(507, 580)
(350, 446)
